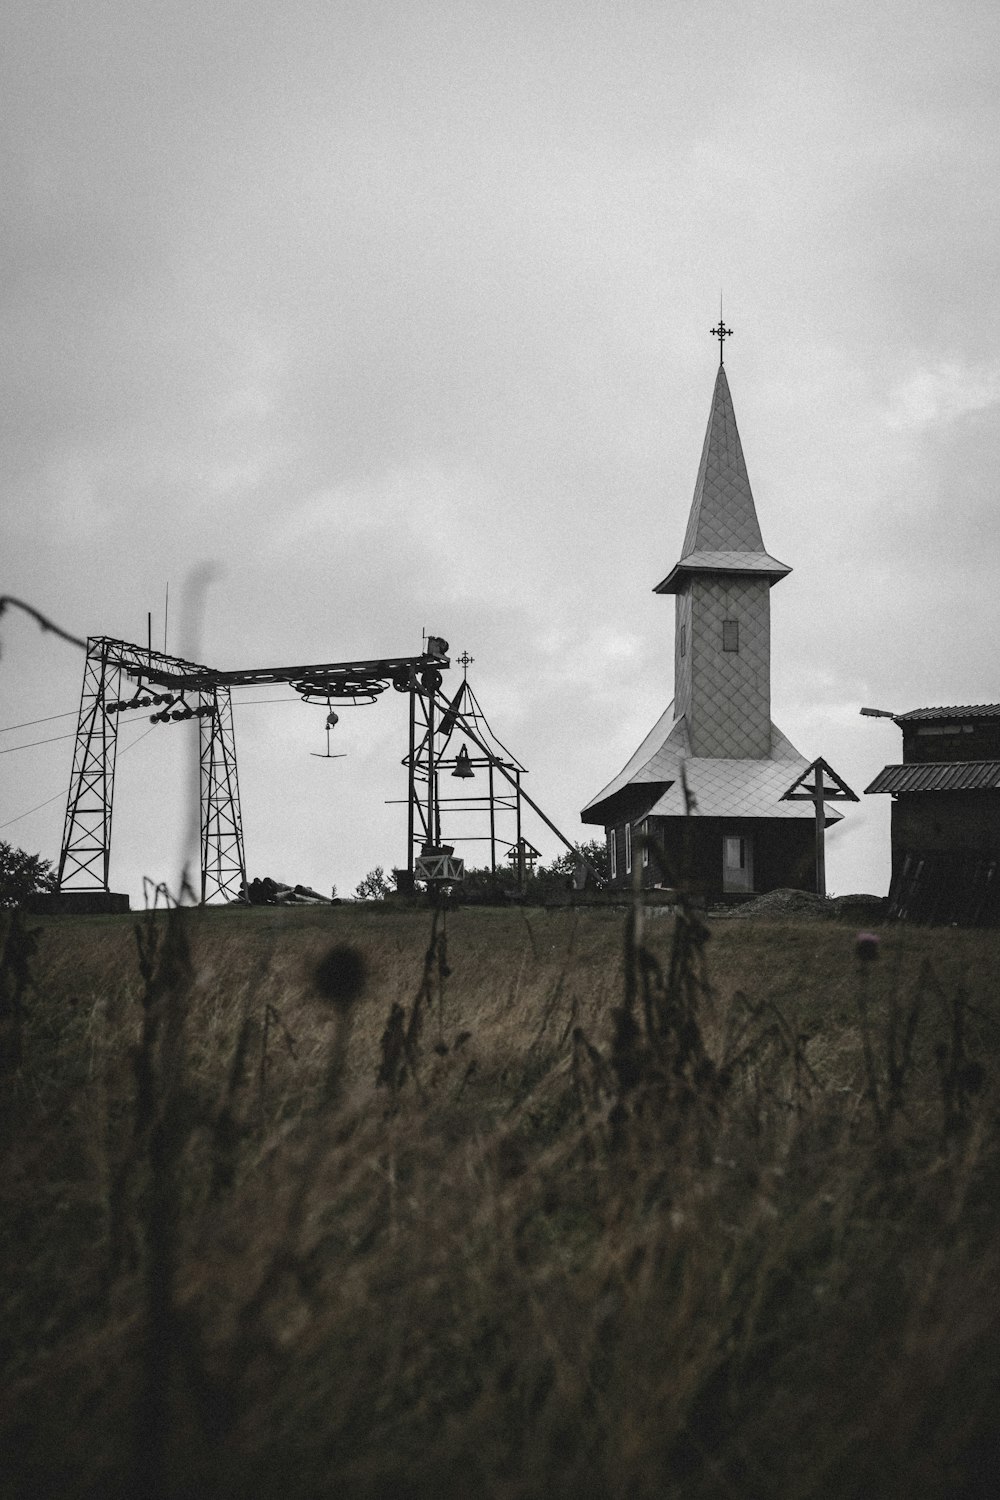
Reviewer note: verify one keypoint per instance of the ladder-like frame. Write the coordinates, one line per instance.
(86, 846)
(223, 865)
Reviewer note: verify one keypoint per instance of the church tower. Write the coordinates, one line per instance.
(732, 829)
(722, 633)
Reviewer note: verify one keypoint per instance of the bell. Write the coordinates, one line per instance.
(463, 767)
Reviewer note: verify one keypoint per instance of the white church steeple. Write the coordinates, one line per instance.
(722, 641)
(708, 784)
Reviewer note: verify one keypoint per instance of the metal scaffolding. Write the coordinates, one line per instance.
(223, 867)
(434, 724)
(86, 845)
(180, 690)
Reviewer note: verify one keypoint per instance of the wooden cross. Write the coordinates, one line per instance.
(819, 794)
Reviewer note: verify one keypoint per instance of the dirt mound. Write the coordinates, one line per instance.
(788, 903)
(859, 908)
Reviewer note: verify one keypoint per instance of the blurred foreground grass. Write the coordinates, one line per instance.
(371, 1202)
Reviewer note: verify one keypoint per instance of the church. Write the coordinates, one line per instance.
(707, 783)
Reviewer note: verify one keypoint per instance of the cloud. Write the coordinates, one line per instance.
(943, 392)
(401, 315)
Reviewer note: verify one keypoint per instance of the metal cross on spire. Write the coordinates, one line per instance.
(465, 662)
(721, 333)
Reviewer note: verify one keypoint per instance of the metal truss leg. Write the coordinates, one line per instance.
(423, 819)
(85, 857)
(223, 867)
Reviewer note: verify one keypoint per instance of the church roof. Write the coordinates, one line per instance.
(720, 788)
(723, 533)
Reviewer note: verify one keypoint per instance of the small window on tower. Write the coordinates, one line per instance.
(730, 635)
(684, 640)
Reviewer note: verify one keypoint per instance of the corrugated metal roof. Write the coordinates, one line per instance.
(943, 776)
(962, 711)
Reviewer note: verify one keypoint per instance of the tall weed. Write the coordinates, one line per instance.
(501, 1204)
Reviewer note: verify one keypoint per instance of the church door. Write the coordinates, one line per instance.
(737, 862)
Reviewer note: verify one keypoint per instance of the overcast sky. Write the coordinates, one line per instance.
(398, 315)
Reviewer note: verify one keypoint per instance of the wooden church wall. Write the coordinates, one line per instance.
(784, 852)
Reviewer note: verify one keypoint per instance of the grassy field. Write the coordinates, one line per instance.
(374, 1202)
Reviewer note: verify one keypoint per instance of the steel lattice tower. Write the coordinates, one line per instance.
(86, 845)
(223, 867)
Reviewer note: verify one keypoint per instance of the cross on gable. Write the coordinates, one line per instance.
(820, 771)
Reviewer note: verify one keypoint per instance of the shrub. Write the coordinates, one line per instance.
(23, 875)
(374, 887)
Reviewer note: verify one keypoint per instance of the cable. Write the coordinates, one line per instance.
(31, 810)
(136, 740)
(71, 713)
(58, 795)
(32, 743)
(47, 720)
(249, 702)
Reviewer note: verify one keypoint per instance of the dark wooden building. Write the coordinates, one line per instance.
(707, 782)
(946, 816)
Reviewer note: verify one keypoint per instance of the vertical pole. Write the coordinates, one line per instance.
(207, 770)
(412, 776)
(520, 840)
(493, 824)
(818, 804)
(431, 770)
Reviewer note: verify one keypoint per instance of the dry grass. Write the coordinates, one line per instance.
(629, 1213)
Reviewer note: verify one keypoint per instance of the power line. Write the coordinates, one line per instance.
(47, 720)
(31, 810)
(32, 743)
(58, 795)
(54, 738)
(71, 713)
(249, 702)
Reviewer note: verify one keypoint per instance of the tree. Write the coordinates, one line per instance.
(594, 851)
(22, 875)
(374, 886)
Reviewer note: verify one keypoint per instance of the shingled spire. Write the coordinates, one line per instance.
(723, 533)
(722, 652)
